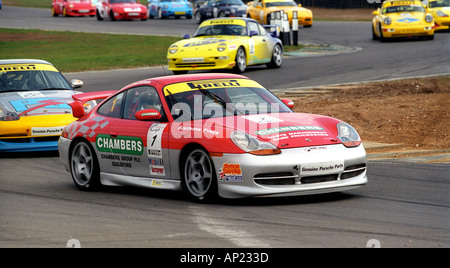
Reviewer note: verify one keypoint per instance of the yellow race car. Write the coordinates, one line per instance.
(402, 19)
(440, 9)
(231, 43)
(33, 105)
(261, 10)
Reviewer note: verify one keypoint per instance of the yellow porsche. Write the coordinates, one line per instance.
(260, 10)
(440, 9)
(33, 105)
(226, 43)
(402, 19)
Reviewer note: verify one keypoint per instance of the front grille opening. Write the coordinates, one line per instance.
(317, 179)
(276, 178)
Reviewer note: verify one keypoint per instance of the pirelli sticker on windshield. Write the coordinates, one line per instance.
(119, 144)
(209, 84)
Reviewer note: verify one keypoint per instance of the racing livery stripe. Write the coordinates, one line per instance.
(27, 67)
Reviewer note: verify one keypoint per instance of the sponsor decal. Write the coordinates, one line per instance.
(262, 119)
(206, 41)
(154, 149)
(230, 173)
(322, 168)
(119, 144)
(287, 129)
(46, 131)
(209, 84)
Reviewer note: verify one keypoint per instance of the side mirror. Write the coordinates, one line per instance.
(288, 103)
(186, 36)
(147, 115)
(299, 5)
(77, 109)
(376, 12)
(76, 83)
(252, 33)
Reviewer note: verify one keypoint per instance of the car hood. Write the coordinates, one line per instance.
(31, 103)
(407, 18)
(207, 42)
(80, 4)
(284, 130)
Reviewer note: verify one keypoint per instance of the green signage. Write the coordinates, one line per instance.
(119, 144)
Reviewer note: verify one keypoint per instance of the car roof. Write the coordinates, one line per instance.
(24, 61)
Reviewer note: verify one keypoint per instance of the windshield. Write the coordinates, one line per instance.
(32, 80)
(407, 8)
(281, 4)
(202, 103)
(223, 29)
(442, 3)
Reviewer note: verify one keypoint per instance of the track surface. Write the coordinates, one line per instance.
(404, 204)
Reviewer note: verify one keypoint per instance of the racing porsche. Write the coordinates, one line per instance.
(211, 135)
(226, 43)
(402, 19)
(33, 105)
(120, 10)
(261, 10)
(74, 8)
(440, 9)
(166, 8)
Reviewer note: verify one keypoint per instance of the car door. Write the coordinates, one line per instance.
(143, 144)
(258, 44)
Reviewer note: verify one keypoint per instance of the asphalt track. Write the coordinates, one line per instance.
(403, 205)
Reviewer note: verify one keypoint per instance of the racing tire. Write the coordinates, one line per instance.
(111, 16)
(382, 39)
(374, 35)
(241, 61)
(97, 14)
(84, 167)
(54, 14)
(198, 17)
(277, 57)
(198, 176)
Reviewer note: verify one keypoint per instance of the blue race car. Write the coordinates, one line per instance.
(219, 8)
(167, 8)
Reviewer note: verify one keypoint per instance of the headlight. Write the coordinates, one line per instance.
(387, 21)
(429, 18)
(8, 116)
(221, 47)
(348, 135)
(173, 49)
(252, 145)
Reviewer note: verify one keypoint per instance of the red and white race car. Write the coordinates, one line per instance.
(73, 8)
(209, 134)
(120, 10)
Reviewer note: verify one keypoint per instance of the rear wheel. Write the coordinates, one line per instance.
(199, 176)
(277, 57)
(198, 17)
(84, 167)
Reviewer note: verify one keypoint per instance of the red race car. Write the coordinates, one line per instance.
(121, 10)
(73, 8)
(209, 134)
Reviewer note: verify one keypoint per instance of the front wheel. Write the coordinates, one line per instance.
(199, 177)
(198, 17)
(84, 167)
(241, 61)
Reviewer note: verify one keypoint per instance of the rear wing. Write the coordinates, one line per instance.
(79, 109)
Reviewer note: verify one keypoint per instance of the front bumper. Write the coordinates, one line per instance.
(406, 31)
(175, 12)
(292, 172)
(204, 61)
(80, 12)
(130, 15)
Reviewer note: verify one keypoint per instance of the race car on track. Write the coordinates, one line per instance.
(73, 8)
(261, 10)
(169, 8)
(402, 19)
(220, 8)
(440, 9)
(33, 105)
(226, 43)
(209, 134)
(120, 10)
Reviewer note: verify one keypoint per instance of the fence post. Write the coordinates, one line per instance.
(295, 28)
